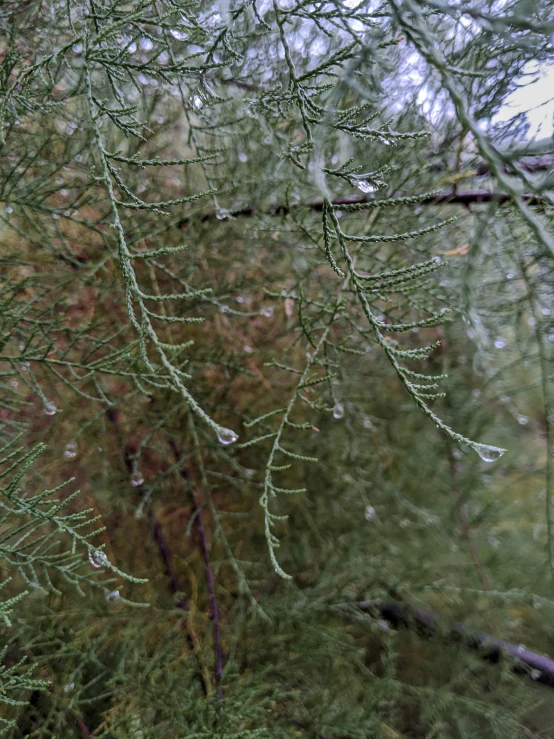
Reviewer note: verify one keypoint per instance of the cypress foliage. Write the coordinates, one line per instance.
(276, 290)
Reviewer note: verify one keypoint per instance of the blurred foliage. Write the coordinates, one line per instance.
(276, 289)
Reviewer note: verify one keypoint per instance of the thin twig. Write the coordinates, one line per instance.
(210, 579)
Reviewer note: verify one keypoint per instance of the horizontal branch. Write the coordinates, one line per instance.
(541, 667)
(446, 198)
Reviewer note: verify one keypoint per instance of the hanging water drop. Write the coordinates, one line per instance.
(535, 674)
(50, 408)
(338, 410)
(137, 479)
(67, 688)
(369, 513)
(488, 453)
(226, 436)
(523, 420)
(113, 595)
(70, 450)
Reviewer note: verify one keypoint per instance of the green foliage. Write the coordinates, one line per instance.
(272, 276)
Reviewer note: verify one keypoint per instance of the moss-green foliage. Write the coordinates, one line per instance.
(262, 331)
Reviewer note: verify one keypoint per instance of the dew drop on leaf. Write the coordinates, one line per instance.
(226, 436)
(488, 453)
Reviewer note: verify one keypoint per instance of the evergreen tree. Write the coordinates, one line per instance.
(276, 289)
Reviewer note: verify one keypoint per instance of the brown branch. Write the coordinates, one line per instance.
(166, 557)
(445, 198)
(538, 666)
(210, 579)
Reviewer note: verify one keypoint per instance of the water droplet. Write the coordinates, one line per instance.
(197, 102)
(14, 383)
(68, 687)
(546, 311)
(146, 44)
(113, 595)
(521, 648)
(523, 420)
(500, 343)
(531, 322)
(369, 513)
(50, 408)
(24, 366)
(535, 674)
(367, 423)
(476, 393)
(510, 276)
(267, 312)
(338, 410)
(404, 523)
(243, 157)
(222, 213)
(365, 186)
(70, 450)
(551, 337)
(248, 349)
(224, 309)
(488, 453)
(9, 209)
(97, 559)
(226, 436)
(137, 479)
(179, 35)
